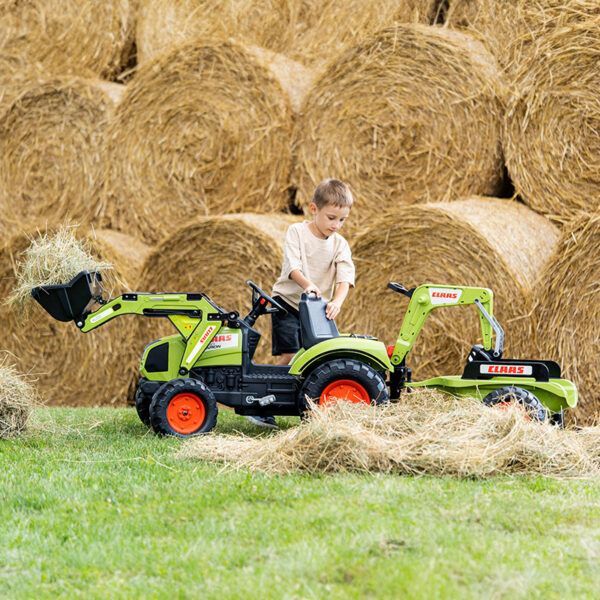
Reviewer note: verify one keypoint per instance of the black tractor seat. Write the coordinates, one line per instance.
(315, 327)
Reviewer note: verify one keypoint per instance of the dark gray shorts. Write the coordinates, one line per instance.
(286, 329)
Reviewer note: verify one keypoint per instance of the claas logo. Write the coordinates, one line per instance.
(506, 369)
(449, 295)
(222, 338)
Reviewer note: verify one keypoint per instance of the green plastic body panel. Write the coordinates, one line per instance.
(369, 351)
(426, 298)
(555, 395)
(225, 349)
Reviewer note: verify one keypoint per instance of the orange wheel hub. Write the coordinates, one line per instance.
(346, 390)
(186, 413)
(505, 405)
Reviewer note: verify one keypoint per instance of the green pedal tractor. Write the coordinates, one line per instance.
(210, 358)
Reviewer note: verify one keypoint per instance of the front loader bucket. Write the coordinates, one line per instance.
(67, 302)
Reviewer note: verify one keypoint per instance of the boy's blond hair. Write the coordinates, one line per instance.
(332, 191)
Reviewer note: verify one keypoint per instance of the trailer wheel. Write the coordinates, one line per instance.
(183, 408)
(142, 405)
(343, 379)
(506, 395)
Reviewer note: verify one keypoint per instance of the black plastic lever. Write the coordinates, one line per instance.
(401, 289)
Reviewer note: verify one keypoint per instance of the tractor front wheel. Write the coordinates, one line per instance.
(183, 408)
(343, 379)
(507, 395)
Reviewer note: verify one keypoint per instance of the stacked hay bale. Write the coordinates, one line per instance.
(308, 31)
(52, 154)
(565, 323)
(551, 133)
(203, 130)
(66, 35)
(71, 367)
(216, 255)
(512, 28)
(479, 242)
(410, 115)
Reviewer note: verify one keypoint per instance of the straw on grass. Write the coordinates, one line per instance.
(18, 396)
(202, 130)
(410, 115)
(427, 432)
(72, 368)
(481, 242)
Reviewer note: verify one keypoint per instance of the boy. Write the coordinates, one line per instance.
(315, 259)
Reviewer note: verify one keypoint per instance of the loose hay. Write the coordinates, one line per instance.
(565, 325)
(72, 368)
(482, 242)
(50, 260)
(52, 155)
(18, 396)
(427, 432)
(67, 35)
(410, 115)
(217, 255)
(203, 130)
(302, 29)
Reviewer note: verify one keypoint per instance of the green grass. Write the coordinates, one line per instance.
(94, 506)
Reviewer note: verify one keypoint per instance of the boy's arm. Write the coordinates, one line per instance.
(304, 283)
(334, 307)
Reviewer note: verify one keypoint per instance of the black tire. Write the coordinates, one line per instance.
(338, 369)
(194, 412)
(142, 405)
(534, 408)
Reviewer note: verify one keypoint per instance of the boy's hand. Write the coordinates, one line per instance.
(332, 310)
(312, 288)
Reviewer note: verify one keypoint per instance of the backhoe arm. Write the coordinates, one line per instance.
(425, 298)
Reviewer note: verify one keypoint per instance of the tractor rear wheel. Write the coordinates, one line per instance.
(506, 395)
(343, 379)
(183, 408)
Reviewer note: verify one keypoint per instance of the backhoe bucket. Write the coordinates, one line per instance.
(68, 301)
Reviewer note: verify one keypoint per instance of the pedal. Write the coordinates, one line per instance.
(264, 401)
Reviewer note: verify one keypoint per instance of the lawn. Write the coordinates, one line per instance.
(92, 505)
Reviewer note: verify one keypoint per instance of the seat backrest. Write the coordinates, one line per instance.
(314, 324)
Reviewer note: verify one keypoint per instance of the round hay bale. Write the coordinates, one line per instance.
(74, 368)
(409, 116)
(565, 326)
(216, 256)
(551, 137)
(511, 28)
(302, 29)
(52, 154)
(18, 396)
(481, 242)
(66, 35)
(203, 130)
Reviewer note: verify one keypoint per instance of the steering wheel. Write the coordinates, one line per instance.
(258, 293)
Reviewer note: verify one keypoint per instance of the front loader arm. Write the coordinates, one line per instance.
(426, 298)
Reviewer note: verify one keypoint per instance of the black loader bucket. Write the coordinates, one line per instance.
(68, 301)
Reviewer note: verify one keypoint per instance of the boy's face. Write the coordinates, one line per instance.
(328, 219)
